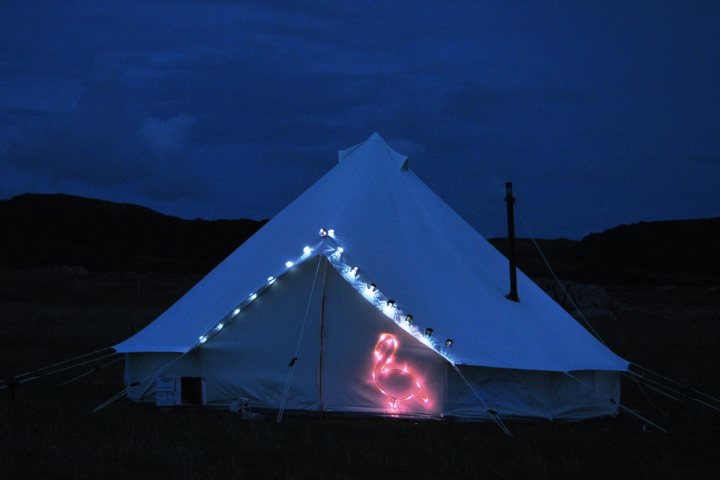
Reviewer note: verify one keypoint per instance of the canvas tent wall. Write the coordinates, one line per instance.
(303, 303)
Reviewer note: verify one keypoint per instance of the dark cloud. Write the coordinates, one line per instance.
(167, 135)
(96, 142)
(211, 108)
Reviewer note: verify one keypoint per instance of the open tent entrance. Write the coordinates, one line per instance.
(192, 390)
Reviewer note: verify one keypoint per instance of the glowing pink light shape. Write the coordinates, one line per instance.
(395, 382)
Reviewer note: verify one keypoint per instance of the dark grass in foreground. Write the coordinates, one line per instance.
(48, 432)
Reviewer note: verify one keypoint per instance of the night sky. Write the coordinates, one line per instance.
(601, 113)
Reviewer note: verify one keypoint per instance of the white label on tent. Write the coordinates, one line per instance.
(165, 384)
(167, 391)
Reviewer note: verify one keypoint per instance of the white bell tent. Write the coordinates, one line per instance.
(369, 295)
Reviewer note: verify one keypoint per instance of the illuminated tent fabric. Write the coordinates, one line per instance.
(514, 358)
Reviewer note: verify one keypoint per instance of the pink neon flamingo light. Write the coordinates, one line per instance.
(396, 383)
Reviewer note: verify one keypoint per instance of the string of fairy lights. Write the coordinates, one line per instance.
(328, 246)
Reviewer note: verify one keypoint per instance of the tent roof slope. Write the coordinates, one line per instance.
(416, 249)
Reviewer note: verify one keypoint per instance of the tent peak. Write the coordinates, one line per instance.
(374, 145)
(376, 136)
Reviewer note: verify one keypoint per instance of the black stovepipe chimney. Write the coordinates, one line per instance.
(510, 200)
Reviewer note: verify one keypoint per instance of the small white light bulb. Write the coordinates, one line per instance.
(323, 232)
(271, 280)
(307, 250)
(253, 296)
(236, 311)
(390, 308)
(289, 264)
(219, 326)
(331, 233)
(202, 338)
(340, 250)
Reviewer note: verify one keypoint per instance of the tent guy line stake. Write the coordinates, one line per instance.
(46, 373)
(95, 369)
(291, 366)
(53, 372)
(651, 382)
(633, 412)
(641, 386)
(153, 374)
(683, 387)
(493, 414)
(614, 402)
(629, 374)
(37, 370)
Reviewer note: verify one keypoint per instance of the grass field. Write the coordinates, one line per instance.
(47, 430)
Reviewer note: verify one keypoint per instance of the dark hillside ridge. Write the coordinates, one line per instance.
(531, 262)
(672, 251)
(40, 231)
